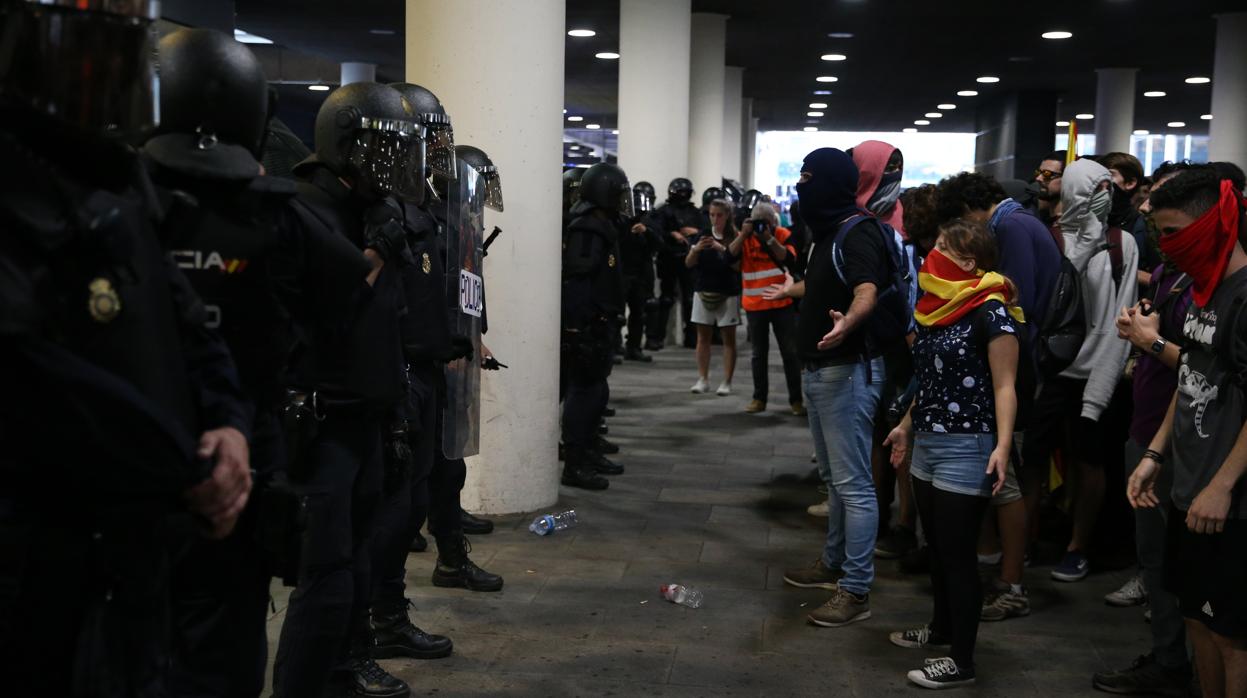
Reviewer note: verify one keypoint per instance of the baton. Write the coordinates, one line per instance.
(490, 239)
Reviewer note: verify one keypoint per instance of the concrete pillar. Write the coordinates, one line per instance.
(653, 89)
(511, 109)
(1229, 90)
(705, 113)
(733, 122)
(1114, 109)
(749, 157)
(358, 72)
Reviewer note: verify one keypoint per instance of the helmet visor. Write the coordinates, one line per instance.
(625, 201)
(387, 157)
(493, 187)
(441, 145)
(641, 202)
(93, 69)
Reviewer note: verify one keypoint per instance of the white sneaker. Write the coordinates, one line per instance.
(818, 510)
(724, 389)
(1132, 593)
(700, 386)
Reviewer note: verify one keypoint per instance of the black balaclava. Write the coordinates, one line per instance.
(830, 195)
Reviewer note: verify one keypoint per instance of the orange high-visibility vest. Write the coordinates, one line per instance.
(758, 270)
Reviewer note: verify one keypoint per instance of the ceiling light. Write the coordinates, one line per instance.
(834, 57)
(818, 105)
(318, 88)
(808, 129)
(1084, 117)
(826, 78)
(243, 37)
(922, 122)
(582, 33)
(840, 35)
(822, 92)
(564, 111)
(575, 118)
(1142, 132)
(593, 127)
(1062, 124)
(1176, 124)
(1057, 35)
(1198, 81)
(967, 93)
(382, 32)
(607, 56)
(1154, 93)
(573, 147)
(987, 79)
(946, 106)
(813, 113)
(1206, 117)
(934, 115)
(909, 130)
(615, 132)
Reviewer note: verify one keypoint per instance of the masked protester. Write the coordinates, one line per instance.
(593, 302)
(122, 414)
(368, 153)
(879, 190)
(1200, 215)
(674, 223)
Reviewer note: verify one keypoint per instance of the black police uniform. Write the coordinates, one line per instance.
(637, 266)
(357, 379)
(673, 275)
(110, 377)
(592, 301)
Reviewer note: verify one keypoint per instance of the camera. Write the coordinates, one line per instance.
(760, 225)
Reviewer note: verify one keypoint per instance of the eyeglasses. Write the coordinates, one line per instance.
(1046, 175)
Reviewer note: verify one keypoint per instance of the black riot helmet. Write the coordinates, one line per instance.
(48, 48)
(479, 161)
(643, 197)
(439, 134)
(571, 187)
(680, 190)
(367, 134)
(752, 198)
(711, 194)
(214, 106)
(606, 186)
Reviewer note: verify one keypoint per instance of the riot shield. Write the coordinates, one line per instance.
(466, 303)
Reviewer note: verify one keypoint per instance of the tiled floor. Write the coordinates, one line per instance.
(716, 498)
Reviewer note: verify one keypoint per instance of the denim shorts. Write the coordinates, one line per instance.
(954, 463)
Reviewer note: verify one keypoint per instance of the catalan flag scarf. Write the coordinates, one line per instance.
(951, 292)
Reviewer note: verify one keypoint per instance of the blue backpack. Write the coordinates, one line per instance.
(893, 317)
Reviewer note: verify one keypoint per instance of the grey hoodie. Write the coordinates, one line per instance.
(1083, 216)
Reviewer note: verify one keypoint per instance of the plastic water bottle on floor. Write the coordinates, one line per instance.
(685, 596)
(549, 523)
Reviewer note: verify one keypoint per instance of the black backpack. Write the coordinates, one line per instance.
(1063, 327)
(893, 317)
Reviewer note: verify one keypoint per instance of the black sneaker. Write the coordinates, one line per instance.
(1145, 677)
(942, 673)
(917, 638)
(896, 544)
(367, 678)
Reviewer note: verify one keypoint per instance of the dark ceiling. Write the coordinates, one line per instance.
(904, 58)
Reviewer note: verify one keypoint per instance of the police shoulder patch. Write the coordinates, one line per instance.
(104, 303)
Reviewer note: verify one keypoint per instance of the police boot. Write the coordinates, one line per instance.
(473, 525)
(578, 471)
(419, 543)
(635, 354)
(393, 635)
(610, 448)
(367, 678)
(604, 465)
(454, 569)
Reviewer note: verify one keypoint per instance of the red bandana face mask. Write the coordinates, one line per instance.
(1202, 249)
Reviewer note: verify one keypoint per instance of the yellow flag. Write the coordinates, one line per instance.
(1072, 148)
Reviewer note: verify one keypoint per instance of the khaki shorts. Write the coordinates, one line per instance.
(1010, 492)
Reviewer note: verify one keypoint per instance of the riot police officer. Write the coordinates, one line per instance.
(447, 521)
(123, 419)
(637, 250)
(367, 150)
(710, 194)
(674, 222)
(593, 302)
(571, 191)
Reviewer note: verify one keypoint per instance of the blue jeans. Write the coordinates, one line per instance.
(954, 463)
(842, 405)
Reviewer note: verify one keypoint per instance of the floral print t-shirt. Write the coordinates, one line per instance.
(955, 394)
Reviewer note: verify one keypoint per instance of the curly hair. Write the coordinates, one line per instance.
(919, 218)
(968, 191)
(969, 239)
(1193, 191)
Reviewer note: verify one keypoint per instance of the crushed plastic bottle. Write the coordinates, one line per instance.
(549, 523)
(678, 593)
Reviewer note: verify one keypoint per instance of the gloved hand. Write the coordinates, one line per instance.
(384, 231)
(463, 348)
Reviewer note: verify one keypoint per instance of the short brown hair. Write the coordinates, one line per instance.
(1128, 165)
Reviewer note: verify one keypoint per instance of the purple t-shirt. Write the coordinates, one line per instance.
(1154, 382)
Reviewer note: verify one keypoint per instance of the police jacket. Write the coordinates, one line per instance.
(109, 374)
(636, 251)
(358, 367)
(425, 326)
(592, 282)
(674, 216)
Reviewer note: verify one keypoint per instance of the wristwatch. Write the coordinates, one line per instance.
(1158, 347)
